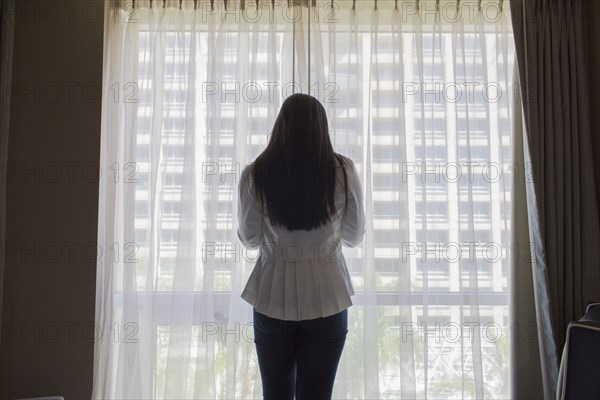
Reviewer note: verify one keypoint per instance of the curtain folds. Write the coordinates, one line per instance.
(551, 47)
(418, 95)
(525, 365)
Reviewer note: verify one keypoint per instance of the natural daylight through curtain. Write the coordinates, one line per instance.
(418, 94)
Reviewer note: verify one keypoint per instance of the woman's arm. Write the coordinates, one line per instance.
(249, 214)
(353, 223)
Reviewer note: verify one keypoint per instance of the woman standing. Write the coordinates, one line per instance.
(299, 201)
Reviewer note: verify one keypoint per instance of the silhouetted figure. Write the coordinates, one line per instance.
(299, 201)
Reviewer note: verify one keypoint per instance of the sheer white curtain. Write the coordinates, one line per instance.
(418, 94)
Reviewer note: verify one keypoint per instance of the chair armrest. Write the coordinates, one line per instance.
(590, 306)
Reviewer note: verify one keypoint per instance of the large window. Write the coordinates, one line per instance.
(422, 108)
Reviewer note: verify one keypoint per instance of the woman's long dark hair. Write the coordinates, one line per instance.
(294, 177)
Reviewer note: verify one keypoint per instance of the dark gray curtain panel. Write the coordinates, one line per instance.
(551, 45)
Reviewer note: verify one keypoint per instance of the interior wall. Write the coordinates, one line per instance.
(52, 197)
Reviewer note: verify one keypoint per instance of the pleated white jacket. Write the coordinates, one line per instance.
(301, 274)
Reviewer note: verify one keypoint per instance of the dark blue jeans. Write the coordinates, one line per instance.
(299, 357)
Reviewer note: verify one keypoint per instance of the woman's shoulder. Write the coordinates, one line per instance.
(246, 173)
(247, 170)
(342, 158)
(246, 177)
(345, 161)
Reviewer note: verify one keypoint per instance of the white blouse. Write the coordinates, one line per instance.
(301, 274)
